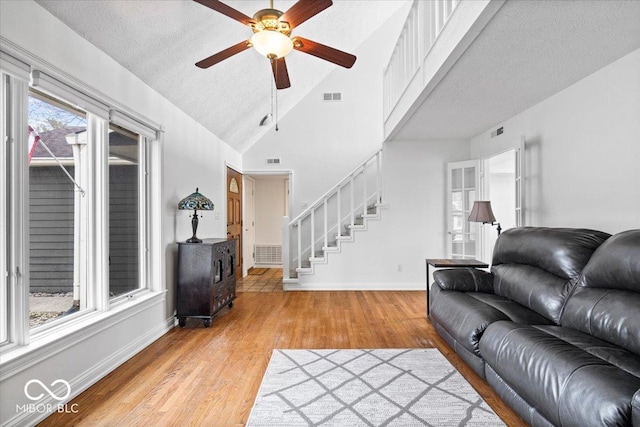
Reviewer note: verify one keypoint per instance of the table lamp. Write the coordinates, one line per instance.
(197, 202)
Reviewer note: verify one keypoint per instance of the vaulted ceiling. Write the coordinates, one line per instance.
(160, 41)
(529, 51)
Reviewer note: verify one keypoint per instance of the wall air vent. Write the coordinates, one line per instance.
(497, 132)
(268, 254)
(335, 96)
(273, 161)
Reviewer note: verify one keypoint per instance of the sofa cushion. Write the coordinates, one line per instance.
(562, 373)
(537, 266)
(514, 311)
(606, 300)
(464, 280)
(466, 315)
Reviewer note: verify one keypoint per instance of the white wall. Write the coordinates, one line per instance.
(320, 141)
(411, 229)
(270, 208)
(582, 151)
(193, 157)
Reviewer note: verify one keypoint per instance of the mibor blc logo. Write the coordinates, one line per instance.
(36, 390)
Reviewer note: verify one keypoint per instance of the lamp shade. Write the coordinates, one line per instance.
(482, 212)
(272, 44)
(196, 201)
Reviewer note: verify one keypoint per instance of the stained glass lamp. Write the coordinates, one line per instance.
(197, 202)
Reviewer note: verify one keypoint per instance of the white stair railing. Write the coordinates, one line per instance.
(421, 29)
(318, 229)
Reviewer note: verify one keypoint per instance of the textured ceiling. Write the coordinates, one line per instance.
(529, 51)
(160, 41)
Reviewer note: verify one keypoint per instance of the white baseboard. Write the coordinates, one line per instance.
(88, 378)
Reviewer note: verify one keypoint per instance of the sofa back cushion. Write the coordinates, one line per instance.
(538, 266)
(606, 300)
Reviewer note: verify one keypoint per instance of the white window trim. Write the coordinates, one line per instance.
(18, 216)
(14, 66)
(4, 268)
(101, 313)
(45, 83)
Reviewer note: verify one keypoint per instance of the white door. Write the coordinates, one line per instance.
(462, 190)
(520, 176)
(249, 235)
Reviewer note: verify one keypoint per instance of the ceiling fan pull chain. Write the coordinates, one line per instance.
(275, 117)
(276, 96)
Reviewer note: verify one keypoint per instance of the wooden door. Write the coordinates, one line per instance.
(234, 215)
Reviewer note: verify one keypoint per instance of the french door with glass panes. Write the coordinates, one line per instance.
(462, 190)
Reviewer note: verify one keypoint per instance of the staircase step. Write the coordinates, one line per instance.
(317, 259)
(332, 248)
(343, 237)
(304, 270)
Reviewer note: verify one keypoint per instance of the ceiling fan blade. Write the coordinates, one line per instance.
(303, 10)
(227, 10)
(224, 54)
(280, 74)
(321, 51)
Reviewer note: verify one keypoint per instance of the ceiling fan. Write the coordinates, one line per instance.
(272, 36)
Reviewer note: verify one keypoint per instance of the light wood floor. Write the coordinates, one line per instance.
(194, 376)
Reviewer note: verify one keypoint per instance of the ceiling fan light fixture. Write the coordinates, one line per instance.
(272, 44)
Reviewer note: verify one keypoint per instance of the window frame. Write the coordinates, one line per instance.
(14, 205)
(143, 223)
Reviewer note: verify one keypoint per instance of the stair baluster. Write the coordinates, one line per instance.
(311, 242)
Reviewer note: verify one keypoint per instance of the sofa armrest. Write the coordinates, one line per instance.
(635, 409)
(464, 280)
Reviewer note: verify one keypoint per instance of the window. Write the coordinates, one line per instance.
(124, 211)
(56, 134)
(76, 185)
(4, 208)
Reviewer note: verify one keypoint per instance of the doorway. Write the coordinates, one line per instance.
(266, 202)
(234, 215)
(497, 178)
(500, 189)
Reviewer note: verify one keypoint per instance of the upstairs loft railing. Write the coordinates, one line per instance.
(421, 30)
(332, 217)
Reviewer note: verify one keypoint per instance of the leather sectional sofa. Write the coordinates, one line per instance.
(554, 328)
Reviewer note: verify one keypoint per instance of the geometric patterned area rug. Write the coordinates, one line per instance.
(381, 387)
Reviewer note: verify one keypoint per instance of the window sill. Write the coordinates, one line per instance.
(44, 344)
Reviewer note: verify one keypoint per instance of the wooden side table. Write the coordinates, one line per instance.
(451, 263)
